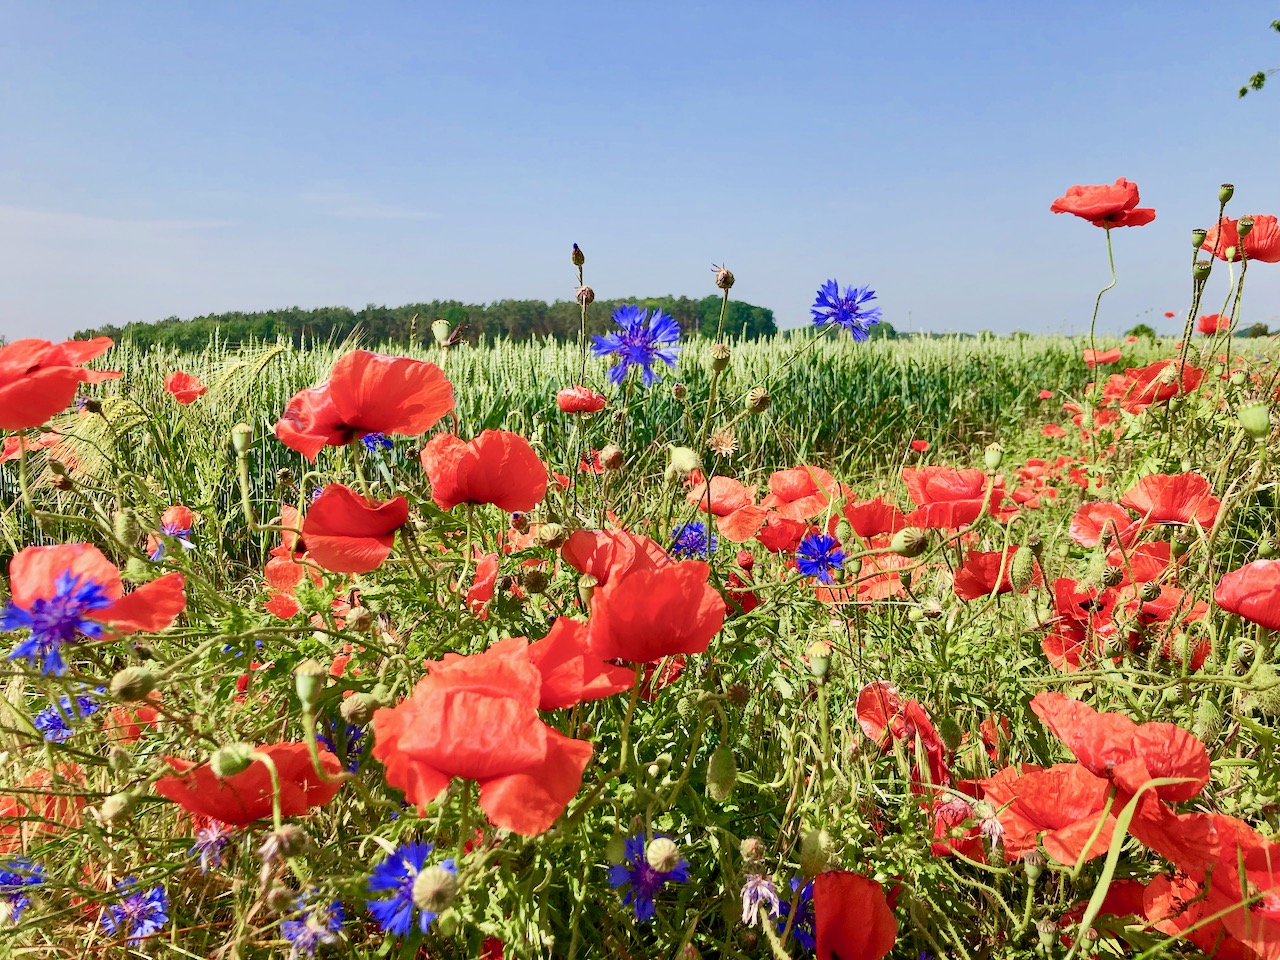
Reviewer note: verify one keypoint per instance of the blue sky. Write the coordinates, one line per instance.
(182, 158)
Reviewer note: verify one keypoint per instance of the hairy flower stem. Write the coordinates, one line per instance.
(1093, 322)
(715, 379)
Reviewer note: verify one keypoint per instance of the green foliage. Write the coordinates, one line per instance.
(1259, 79)
(1143, 331)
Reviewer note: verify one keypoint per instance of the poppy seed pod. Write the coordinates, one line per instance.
(662, 854)
(1047, 931)
(308, 680)
(758, 400)
(285, 478)
(440, 329)
(358, 708)
(1033, 865)
(738, 694)
(1111, 576)
(1256, 419)
(552, 536)
(1244, 226)
(132, 683)
(819, 654)
(993, 456)
(1198, 237)
(435, 889)
(241, 438)
(534, 581)
(611, 457)
(1200, 270)
(1226, 192)
(1239, 378)
(585, 295)
(1149, 592)
(909, 542)
(720, 354)
(586, 588)
(231, 759)
(679, 391)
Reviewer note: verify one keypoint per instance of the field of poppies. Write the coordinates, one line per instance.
(640, 648)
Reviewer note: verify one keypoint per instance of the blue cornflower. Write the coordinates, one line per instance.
(644, 882)
(847, 311)
(802, 923)
(56, 620)
(211, 840)
(397, 874)
(315, 924)
(692, 540)
(373, 442)
(139, 913)
(54, 721)
(639, 343)
(15, 876)
(181, 534)
(817, 555)
(353, 738)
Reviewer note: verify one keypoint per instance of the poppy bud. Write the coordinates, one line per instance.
(1200, 270)
(1022, 570)
(662, 854)
(615, 851)
(585, 295)
(720, 354)
(950, 732)
(231, 759)
(119, 760)
(1225, 192)
(758, 400)
(816, 848)
(1208, 722)
(577, 256)
(1256, 419)
(611, 457)
(844, 530)
(1149, 592)
(1264, 692)
(552, 536)
(118, 806)
(1111, 576)
(724, 278)
(1033, 865)
(752, 850)
(722, 773)
(440, 330)
(358, 709)
(738, 694)
(1244, 226)
(909, 542)
(534, 581)
(993, 456)
(125, 527)
(132, 683)
(435, 889)
(241, 437)
(1198, 237)
(308, 680)
(679, 391)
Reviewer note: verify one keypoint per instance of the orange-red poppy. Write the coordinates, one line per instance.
(1252, 592)
(1212, 323)
(1262, 243)
(605, 554)
(947, 497)
(1105, 205)
(801, 493)
(874, 518)
(571, 673)
(184, 387)
(851, 917)
(580, 399)
(985, 572)
(39, 378)
(347, 533)
(649, 613)
(497, 467)
(1060, 807)
(1093, 358)
(1177, 498)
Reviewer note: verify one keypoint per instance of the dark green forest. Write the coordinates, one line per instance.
(516, 319)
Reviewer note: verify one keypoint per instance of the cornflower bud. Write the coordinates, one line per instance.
(752, 850)
(679, 391)
(577, 256)
(585, 295)
(520, 522)
(119, 760)
(611, 457)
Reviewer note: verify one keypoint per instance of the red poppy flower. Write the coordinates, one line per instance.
(1156, 382)
(1262, 243)
(41, 805)
(1061, 806)
(1046, 394)
(482, 585)
(649, 613)
(1252, 592)
(39, 378)
(1093, 358)
(874, 518)
(883, 715)
(778, 534)
(184, 387)
(1094, 520)
(1179, 498)
(347, 533)
(1105, 205)
(1053, 430)
(1212, 323)
(732, 504)
(919, 446)
(949, 498)
(1169, 314)
(881, 578)
(477, 718)
(580, 400)
(127, 724)
(801, 493)
(605, 554)
(851, 917)
(246, 797)
(366, 393)
(497, 467)
(571, 673)
(983, 572)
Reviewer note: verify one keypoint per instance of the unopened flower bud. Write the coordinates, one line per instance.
(288, 841)
(679, 391)
(241, 437)
(816, 848)
(585, 295)
(1268, 547)
(125, 527)
(611, 457)
(738, 694)
(382, 694)
(1244, 226)
(720, 354)
(534, 581)
(615, 851)
(520, 522)
(993, 456)
(231, 759)
(724, 278)
(58, 468)
(440, 330)
(308, 680)
(1225, 192)
(435, 889)
(119, 760)
(132, 683)
(358, 709)
(1256, 419)
(1200, 270)
(722, 773)
(909, 542)
(752, 850)
(1198, 237)
(118, 806)
(280, 899)
(950, 733)
(552, 536)
(577, 256)
(662, 854)
(758, 400)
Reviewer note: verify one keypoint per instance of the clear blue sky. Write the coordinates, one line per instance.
(173, 158)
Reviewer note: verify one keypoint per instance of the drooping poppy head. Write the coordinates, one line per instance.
(1252, 592)
(498, 467)
(851, 917)
(1105, 205)
(1261, 243)
(39, 378)
(184, 387)
(247, 796)
(649, 613)
(347, 533)
(580, 399)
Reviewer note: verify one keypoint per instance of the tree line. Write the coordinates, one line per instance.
(411, 323)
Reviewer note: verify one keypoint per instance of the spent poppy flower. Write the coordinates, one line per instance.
(1252, 592)
(247, 796)
(649, 613)
(347, 533)
(1177, 498)
(1261, 243)
(641, 342)
(39, 378)
(1105, 205)
(476, 717)
(1211, 323)
(70, 591)
(580, 399)
(365, 393)
(184, 387)
(852, 919)
(497, 467)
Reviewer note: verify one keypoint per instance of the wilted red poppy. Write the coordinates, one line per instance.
(366, 393)
(184, 387)
(1212, 323)
(1093, 358)
(347, 533)
(985, 572)
(1105, 205)
(1177, 498)
(482, 585)
(246, 797)
(1252, 592)
(497, 467)
(649, 613)
(39, 378)
(1262, 243)
(571, 673)
(580, 399)
(1062, 806)
(477, 718)
(948, 497)
(801, 493)
(851, 917)
(884, 715)
(605, 554)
